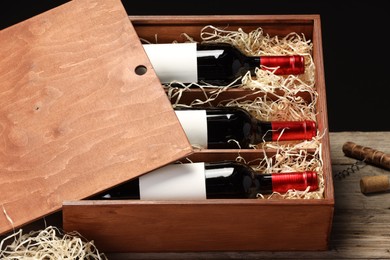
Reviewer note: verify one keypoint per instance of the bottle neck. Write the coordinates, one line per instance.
(230, 179)
(293, 130)
(283, 130)
(236, 180)
(263, 131)
(282, 182)
(279, 64)
(253, 63)
(284, 65)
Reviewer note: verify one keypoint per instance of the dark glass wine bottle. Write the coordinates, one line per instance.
(217, 64)
(229, 180)
(234, 127)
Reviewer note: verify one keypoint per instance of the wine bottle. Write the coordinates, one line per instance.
(234, 128)
(217, 64)
(216, 180)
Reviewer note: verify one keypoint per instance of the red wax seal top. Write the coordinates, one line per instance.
(282, 182)
(285, 65)
(293, 130)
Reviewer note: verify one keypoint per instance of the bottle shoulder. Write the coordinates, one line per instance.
(215, 45)
(232, 109)
(237, 166)
(227, 48)
(237, 111)
(236, 114)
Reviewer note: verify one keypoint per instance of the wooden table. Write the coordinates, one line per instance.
(361, 225)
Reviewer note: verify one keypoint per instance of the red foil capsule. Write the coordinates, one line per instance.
(282, 182)
(294, 64)
(293, 130)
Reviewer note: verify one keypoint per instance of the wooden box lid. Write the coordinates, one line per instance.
(75, 117)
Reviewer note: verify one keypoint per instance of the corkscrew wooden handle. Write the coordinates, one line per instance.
(369, 155)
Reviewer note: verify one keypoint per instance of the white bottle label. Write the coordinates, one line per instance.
(174, 182)
(194, 124)
(173, 61)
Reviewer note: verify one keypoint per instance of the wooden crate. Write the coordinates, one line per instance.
(226, 224)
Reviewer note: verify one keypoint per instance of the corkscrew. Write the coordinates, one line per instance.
(350, 169)
(365, 155)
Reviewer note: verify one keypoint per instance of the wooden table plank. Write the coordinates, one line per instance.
(360, 228)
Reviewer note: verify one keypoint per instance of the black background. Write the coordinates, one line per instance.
(355, 46)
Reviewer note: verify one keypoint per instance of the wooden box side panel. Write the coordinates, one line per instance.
(162, 29)
(150, 227)
(322, 117)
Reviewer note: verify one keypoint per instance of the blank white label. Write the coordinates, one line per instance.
(194, 124)
(173, 61)
(174, 182)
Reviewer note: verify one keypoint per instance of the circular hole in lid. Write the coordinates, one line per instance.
(140, 70)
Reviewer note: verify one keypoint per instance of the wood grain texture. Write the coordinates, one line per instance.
(201, 226)
(188, 226)
(75, 118)
(360, 227)
(148, 27)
